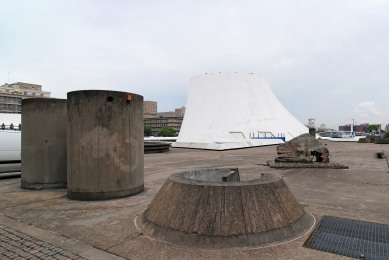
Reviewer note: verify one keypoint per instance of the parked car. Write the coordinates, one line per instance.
(10, 151)
(10, 143)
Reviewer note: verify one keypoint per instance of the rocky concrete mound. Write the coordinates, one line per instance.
(302, 149)
(213, 209)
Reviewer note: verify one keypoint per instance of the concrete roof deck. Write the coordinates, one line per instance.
(360, 192)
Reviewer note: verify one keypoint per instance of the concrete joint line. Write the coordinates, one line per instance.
(31, 202)
(137, 234)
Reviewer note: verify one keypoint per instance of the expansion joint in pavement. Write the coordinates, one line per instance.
(22, 204)
(126, 239)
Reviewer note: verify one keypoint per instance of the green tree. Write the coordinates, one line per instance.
(373, 128)
(147, 130)
(167, 132)
(386, 135)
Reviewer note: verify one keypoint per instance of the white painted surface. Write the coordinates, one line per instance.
(347, 139)
(10, 145)
(7, 119)
(156, 139)
(323, 137)
(224, 108)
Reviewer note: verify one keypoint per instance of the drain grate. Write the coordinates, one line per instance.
(352, 238)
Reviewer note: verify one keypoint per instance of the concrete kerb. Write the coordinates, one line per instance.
(192, 222)
(382, 141)
(69, 244)
(231, 248)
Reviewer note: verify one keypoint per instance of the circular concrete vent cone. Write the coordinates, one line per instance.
(213, 209)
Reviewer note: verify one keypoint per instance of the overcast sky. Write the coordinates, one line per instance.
(327, 60)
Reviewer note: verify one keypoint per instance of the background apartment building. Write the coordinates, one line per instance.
(157, 121)
(178, 112)
(11, 96)
(149, 109)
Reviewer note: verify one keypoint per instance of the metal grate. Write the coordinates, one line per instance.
(352, 238)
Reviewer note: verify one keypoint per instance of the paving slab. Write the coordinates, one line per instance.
(21, 241)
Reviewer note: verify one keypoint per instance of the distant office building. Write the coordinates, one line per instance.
(323, 127)
(149, 109)
(11, 96)
(158, 120)
(345, 128)
(387, 128)
(157, 123)
(348, 128)
(178, 112)
(364, 128)
(166, 114)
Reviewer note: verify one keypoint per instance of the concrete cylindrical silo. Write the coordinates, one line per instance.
(43, 143)
(105, 144)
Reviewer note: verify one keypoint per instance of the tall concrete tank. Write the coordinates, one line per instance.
(43, 143)
(105, 145)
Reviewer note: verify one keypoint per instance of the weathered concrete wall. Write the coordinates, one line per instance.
(43, 143)
(105, 145)
(371, 139)
(362, 140)
(382, 140)
(312, 131)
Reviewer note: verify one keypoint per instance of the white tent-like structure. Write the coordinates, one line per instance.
(234, 110)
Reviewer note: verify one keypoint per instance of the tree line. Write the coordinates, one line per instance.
(164, 132)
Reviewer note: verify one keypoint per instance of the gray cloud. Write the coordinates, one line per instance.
(321, 58)
(367, 108)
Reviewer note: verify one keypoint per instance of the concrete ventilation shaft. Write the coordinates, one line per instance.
(104, 144)
(213, 209)
(43, 143)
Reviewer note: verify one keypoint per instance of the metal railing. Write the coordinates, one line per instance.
(267, 135)
(11, 127)
(12, 102)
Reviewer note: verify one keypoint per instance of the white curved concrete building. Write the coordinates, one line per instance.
(226, 110)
